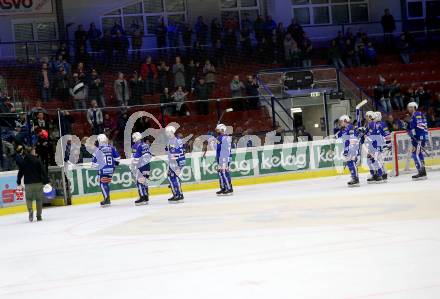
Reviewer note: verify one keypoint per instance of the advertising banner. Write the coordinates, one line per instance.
(19, 7)
(8, 186)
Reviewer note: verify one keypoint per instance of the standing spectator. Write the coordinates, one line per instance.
(191, 74)
(187, 38)
(79, 92)
(109, 126)
(179, 73)
(107, 46)
(58, 63)
(80, 38)
(259, 29)
(382, 95)
(236, 87)
(230, 42)
(289, 46)
(96, 89)
(295, 30)
(44, 148)
(246, 23)
(219, 53)
(62, 84)
(163, 72)
(404, 49)
(216, 31)
(201, 30)
(246, 43)
(269, 26)
(121, 90)
(94, 36)
(396, 95)
(173, 34)
(202, 95)
(179, 97)
(149, 75)
(209, 73)
(424, 98)
(117, 27)
(161, 35)
(165, 100)
(236, 93)
(121, 45)
(136, 88)
(45, 82)
(349, 53)
(137, 35)
(388, 26)
(251, 86)
(35, 175)
(95, 118)
(40, 122)
(334, 54)
(306, 50)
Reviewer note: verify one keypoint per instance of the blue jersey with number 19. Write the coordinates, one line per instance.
(105, 159)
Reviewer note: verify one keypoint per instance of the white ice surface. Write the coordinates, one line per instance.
(302, 239)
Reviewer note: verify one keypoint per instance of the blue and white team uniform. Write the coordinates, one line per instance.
(418, 131)
(176, 160)
(386, 146)
(376, 138)
(141, 169)
(223, 158)
(105, 159)
(350, 137)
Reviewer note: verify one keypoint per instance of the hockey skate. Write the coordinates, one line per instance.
(420, 176)
(176, 199)
(385, 177)
(229, 192)
(353, 183)
(371, 179)
(31, 216)
(106, 202)
(143, 200)
(221, 192)
(39, 218)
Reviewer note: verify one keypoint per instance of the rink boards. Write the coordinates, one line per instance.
(252, 165)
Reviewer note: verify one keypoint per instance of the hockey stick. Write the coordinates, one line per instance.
(358, 122)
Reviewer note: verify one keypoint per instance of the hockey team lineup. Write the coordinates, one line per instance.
(366, 133)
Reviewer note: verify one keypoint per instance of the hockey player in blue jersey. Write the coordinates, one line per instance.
(176, 160)
(105, 159)
(140, 167)
(374, 143)
(385, 141)
(418, 132)
(223, 157)
(350, 139)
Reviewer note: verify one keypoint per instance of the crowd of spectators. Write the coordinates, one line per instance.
(185, 67)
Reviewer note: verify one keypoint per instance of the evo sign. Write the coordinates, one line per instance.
(19, 7)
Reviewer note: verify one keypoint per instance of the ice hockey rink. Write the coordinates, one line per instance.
(302, 239)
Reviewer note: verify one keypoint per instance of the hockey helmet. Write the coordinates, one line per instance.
(48, 191)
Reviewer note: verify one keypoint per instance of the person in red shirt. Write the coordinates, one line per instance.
(149, 75)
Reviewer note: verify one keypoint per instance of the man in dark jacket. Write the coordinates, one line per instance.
(35, 176)
(388, 25)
